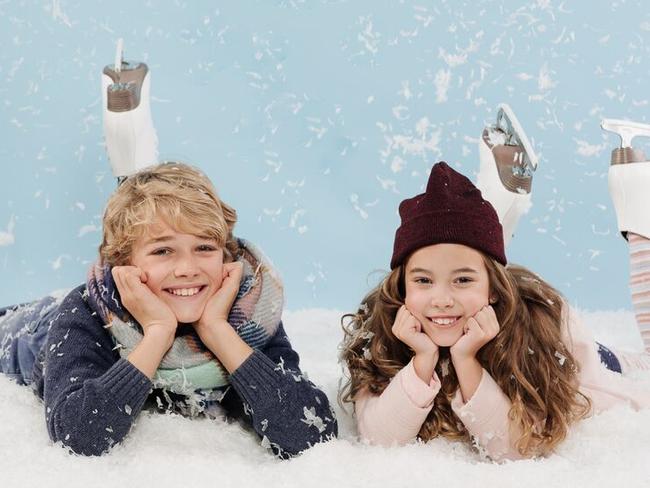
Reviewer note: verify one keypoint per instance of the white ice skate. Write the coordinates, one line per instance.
(131, 141)
(506, 173)
(629, 178)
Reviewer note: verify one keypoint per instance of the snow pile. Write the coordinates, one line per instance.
(167, 450)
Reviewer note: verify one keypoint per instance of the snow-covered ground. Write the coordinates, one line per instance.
(611, 449)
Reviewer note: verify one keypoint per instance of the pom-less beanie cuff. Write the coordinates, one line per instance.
(451, 210)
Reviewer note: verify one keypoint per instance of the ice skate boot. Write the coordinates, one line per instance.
(629, 178)
(131, 141)
(506, 172)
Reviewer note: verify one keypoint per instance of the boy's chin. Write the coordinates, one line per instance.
(188, 316)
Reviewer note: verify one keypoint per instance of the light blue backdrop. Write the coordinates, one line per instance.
(314, 119)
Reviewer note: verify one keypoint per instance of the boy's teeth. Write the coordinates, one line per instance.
(185, 292)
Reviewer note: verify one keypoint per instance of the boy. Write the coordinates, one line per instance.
(178, 315)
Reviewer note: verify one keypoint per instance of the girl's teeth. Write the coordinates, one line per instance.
(185, 292)
(443, 321)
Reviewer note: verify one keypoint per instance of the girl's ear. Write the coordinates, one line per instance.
(493, 300)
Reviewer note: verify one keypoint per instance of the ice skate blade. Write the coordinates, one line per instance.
(516, 134)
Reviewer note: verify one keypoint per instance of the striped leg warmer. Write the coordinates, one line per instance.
(640, 284)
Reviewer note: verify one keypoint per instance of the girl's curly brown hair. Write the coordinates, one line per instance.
(527, 358)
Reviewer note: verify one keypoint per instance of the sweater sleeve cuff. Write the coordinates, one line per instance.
(487, 403)
(256, 377)
(127, 384)
(420, 394)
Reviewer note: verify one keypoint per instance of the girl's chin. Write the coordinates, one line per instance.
(446, 340)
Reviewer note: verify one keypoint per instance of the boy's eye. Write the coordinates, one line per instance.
(207, 248)
(161, 251)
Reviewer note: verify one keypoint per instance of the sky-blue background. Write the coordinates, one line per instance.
(315, 119)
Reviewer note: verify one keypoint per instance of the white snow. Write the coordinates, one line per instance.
(442, 82)
(452, 60)
(86, 229)
(586, 149)
(7, 237)
(544, 80)
(171, 451)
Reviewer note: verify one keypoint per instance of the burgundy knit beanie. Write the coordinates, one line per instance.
(451, 210)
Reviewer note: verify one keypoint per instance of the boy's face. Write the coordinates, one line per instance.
(183, 270)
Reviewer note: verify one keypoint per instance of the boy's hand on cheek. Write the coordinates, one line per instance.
(218, 307)
(479, 330)
(150, 311)
(213, 327)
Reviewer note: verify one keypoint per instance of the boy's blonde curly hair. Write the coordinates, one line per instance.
(175, 192)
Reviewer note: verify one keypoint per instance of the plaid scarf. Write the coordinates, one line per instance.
(188, 366)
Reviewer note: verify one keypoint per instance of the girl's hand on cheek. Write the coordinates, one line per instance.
(150, 311)
(479, 330)
(409, 330)
(218, 307)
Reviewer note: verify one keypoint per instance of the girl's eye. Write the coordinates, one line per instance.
(163, 251)
(422, 280)
(463, 280)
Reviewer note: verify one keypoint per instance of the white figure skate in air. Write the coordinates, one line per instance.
(629, 178)
(507, 164)
(131, 141)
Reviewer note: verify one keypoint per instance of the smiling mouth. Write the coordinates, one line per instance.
(188, 292)
(444, 322)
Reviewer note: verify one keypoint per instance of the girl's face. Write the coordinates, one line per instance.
(183, 270)
(446, 284)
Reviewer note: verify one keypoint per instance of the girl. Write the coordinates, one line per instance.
(456, 342)
(176, 315)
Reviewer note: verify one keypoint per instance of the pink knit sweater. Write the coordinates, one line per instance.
(397, 414)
